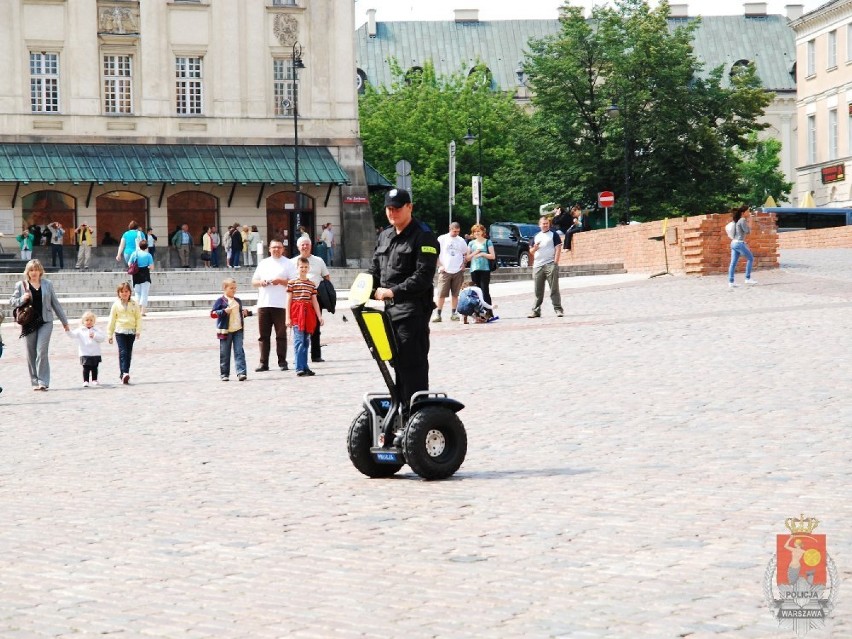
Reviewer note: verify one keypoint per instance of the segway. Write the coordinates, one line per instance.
(427, 434)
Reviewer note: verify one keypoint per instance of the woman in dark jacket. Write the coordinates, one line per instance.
(39, 290)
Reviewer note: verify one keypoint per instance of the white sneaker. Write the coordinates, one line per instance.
(750, 281)
(95, 382)
(732, 285)
(85, 384)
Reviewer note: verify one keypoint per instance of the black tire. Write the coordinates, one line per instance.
(434, 442)
(358, 444)
(524, 259)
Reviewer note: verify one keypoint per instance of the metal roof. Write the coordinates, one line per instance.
(501, 45)
(171, 163)
(375, 180)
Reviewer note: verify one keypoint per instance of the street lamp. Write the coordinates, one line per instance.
(469, 139)
(613, 111)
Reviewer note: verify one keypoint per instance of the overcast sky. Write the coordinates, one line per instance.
(392, 10)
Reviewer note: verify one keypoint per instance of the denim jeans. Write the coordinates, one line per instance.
(142, 293)
(235, 258)
(740, 249)
(124, 341)
(232, 341)
(301, 341)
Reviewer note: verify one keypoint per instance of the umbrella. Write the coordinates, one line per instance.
(808, 201)
(770, 202)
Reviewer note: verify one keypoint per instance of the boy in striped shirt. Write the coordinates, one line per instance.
(303, 314)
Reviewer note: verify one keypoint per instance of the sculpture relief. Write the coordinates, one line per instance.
(286, 29)
(118, 20)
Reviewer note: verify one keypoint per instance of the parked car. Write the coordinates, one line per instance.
(512, 241)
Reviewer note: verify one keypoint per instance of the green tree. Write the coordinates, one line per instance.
(622, 104)
(417, 117)
(760, 173)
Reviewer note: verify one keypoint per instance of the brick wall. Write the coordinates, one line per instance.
(836, 237)
(694, 245)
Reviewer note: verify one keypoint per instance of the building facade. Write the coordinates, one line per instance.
(824, 106)
(171, 112)
(460, 44)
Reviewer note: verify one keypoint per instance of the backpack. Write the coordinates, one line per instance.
(730, 227)
(469, 302)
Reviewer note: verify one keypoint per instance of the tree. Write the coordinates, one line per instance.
(623, 103)
(417, 117)
(761, 175)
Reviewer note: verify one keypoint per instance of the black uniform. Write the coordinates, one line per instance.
(405, 264)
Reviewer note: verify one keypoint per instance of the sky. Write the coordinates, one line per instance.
(395, 10)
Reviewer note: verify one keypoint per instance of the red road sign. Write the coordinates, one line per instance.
(606, 199)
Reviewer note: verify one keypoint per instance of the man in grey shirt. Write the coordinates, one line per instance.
(546, 249)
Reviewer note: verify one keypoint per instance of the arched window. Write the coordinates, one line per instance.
(738, 67)
(195, 208)
(114, 213)
(413, 74)
(43, 207)
(482, 74)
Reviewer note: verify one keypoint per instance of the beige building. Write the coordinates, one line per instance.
(824, 66)
(204, 112)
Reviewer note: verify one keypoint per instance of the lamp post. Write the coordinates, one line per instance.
(613, 111)
(297, 64)
(469, 139)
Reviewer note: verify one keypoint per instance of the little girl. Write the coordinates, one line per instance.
(125, 321)
(228, 312)
(472, 303)
(303, 314)
(88, 338)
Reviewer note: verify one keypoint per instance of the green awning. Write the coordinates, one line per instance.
(375, 180)
(167, 163)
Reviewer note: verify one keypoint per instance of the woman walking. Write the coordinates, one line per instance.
(142, 277)
(739, 248)
(38, 290)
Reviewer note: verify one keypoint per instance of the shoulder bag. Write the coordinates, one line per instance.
(25, 313)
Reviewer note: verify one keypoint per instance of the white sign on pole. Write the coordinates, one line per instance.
(476, 186)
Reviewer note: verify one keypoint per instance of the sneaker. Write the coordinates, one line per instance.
(284, 367)
(241, 378)
(454, 317)
(95, 382)
(750, 281)
(309, 372)
(534, 315)
(493, 318)
(317, 359)
(85, 384)
(560, 314)
(732, 285)
(436, 319)
(125, 379)
(224, 378)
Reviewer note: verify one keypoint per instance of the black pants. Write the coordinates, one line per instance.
(316, 349)
(56, 252)
(267, 319)
(482, 279)
(90, 367)
(412, 358)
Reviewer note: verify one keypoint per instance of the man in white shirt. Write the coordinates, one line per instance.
(270, 279)
(450, 270)
(546, 250)
(317, 272)
(328, 237)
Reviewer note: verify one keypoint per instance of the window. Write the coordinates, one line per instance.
(832, 49)
(188, 76)
(811, 139)
(832, 134)
(118, 84)
(849, 42)
(811, 57)
(284, 86)
(283, 3)
(44, 82)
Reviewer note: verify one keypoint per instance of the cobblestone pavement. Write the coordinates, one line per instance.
(629, 466)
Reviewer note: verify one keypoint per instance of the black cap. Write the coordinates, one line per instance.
(397, 198)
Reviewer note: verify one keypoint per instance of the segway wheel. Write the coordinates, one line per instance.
(359, 443)
(434, 442)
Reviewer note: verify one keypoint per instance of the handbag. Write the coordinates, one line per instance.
(492, 264)
(133, 267)
(25, 313)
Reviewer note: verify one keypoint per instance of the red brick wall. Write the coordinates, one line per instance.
(695, 245)
(836, 237)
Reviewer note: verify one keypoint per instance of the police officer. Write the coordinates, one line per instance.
(403, 271)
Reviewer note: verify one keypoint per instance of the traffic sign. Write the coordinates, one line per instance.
(606, 199)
